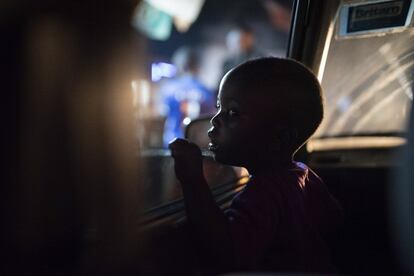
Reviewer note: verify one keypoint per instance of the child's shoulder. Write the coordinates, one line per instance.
(283, 174)
(262, 186)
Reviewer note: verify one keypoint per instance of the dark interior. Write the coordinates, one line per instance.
(363, 246)
(364, 243)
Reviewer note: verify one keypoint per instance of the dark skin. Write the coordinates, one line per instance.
(238, 138)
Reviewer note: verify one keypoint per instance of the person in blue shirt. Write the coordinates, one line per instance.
(184, 96)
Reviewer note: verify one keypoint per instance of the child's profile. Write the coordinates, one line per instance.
(284, 217)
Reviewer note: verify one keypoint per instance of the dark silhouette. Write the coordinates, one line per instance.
(285, 217)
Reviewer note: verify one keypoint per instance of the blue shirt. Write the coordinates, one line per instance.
(184, 96)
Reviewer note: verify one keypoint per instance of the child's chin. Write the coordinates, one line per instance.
(220, 157)
(224, 159)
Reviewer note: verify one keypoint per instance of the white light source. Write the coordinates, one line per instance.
(185, 12)
(186, 121)
(162, 69)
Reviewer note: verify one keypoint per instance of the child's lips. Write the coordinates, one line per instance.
(213, 146)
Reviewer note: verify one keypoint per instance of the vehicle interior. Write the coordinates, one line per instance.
(89, 188)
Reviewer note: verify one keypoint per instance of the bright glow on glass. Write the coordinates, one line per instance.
(162, 69)
(141, 92)
(186, 121)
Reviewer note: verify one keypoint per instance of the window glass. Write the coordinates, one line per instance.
(189, 48)
(368, 84)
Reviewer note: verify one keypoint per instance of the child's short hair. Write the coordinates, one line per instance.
(294, 88)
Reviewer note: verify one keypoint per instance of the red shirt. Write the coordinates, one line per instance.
(282, 221)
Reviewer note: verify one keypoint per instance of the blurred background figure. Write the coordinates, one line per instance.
(280, 14)
(240, 42)
(184, 97)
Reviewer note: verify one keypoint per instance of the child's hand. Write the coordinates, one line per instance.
(188, 161)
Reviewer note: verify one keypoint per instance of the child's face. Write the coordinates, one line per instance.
(238, 134)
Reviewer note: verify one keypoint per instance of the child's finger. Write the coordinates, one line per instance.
(181, 147)
(176, 146)
(176, 142)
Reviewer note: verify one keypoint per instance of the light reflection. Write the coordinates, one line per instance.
(162, 69)
(186, 121)
(141, 92)
(370, 91)
(343, 143)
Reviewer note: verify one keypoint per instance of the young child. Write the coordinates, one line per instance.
(284, 217)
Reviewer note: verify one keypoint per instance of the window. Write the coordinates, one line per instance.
(368, 84)
(185, 62)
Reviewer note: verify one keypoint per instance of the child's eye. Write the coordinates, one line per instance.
(232, 113)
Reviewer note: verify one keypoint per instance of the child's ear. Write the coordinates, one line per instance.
(280, 140)
(284, 139)
(288, 137)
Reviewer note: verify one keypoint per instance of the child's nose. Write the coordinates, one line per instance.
(215, 121)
